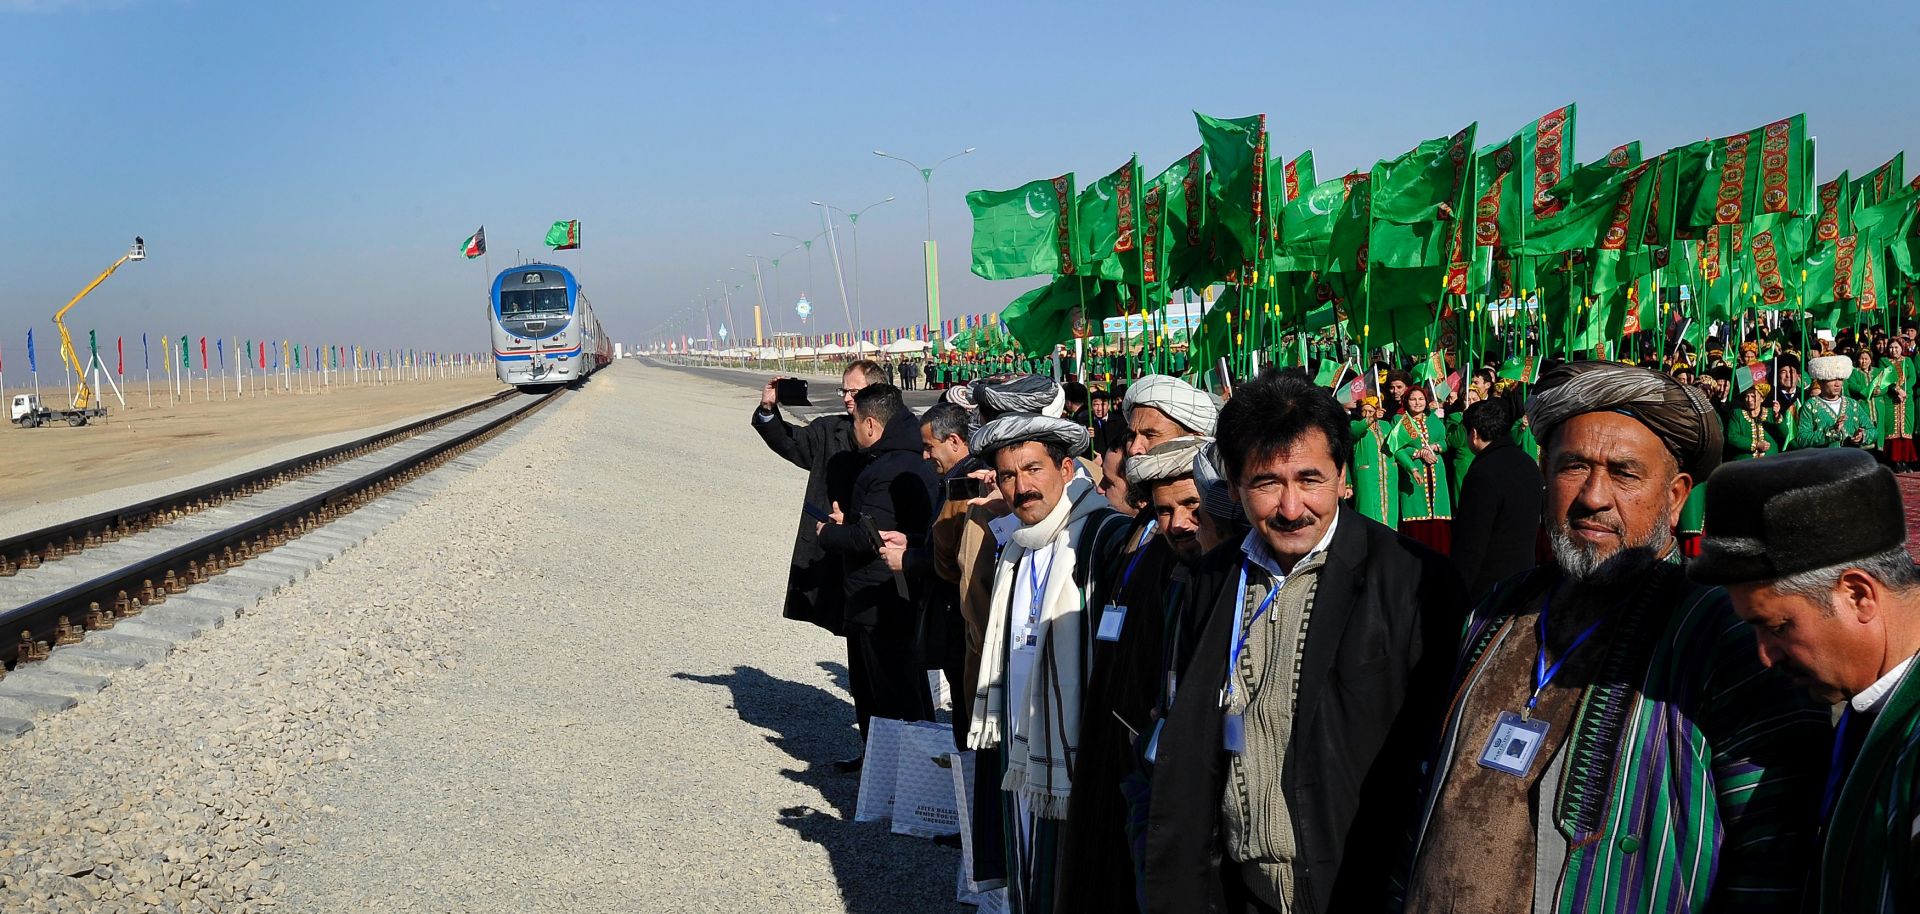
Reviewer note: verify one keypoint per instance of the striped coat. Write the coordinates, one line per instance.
(1692, 775)
(1871, 862)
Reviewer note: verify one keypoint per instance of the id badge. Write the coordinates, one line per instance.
(1234, 732)
(1514, 744)
(1153, 741)
(1111, 619)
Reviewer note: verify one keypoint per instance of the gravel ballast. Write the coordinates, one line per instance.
(560, 683)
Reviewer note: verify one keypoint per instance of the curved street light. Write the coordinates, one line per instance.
(933, 287)
(853, 220)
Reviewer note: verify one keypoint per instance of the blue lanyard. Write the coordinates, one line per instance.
(1834, 773)
(1240, 639)
(1542, 673)
(1139, 549)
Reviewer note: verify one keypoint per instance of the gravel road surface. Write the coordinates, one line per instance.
(560, 684)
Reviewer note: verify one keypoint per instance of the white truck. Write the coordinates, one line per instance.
(29, 413)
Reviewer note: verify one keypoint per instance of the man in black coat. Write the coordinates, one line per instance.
(895, 489)
(1496, 522)
(1280, 776)
(824, 448)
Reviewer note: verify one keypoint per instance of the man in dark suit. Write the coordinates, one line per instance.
(825, 449)
(1290, 756)
(895, 490)
(1496, 523)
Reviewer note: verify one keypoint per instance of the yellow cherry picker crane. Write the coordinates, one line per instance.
(27, 411)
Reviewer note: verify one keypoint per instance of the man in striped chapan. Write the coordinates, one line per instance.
(1614, 744)
(1812, 547)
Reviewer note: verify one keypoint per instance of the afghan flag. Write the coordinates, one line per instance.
(564, 235)
(476, 244)
(1026, 231)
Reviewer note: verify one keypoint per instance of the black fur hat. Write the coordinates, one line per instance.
(1798, 511)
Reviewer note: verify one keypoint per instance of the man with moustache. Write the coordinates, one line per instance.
(1291, 752)
(1611, 732)
(1811, 545)
(1034, 658)
(1100, 867)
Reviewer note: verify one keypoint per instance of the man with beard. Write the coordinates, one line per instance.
(1291, 752)
(1611, 732)
(1100, 866)
(895, 490)
(1811, 546)
(1034, 661)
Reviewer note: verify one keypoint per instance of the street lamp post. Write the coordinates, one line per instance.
(839, 275)
(807, 245)
(932, 254)
(853, 220)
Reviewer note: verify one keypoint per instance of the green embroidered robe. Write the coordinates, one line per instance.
(1424, 491)
(1375, 477)
(1816, 425)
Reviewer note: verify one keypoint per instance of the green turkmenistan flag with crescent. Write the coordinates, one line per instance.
(1025, 231)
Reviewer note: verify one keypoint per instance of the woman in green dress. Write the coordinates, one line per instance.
(1375, 478)
(1418, 440)
(1894, 408)
(1863, 386)
(1754, 430)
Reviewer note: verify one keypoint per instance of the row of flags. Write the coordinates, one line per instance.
(563, 235)
(1422, 249)
(265, 354)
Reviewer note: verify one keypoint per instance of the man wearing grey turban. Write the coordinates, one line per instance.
(1161, 407)
(1040, 629)
(1127, 693)
(1608, 716)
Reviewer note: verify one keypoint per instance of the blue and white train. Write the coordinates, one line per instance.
(544, 330)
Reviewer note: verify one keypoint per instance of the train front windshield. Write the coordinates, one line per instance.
(533, 293)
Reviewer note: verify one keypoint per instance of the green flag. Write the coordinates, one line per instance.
(1603, 218)
(1877, 185)
(1105, 218)
(1763, 171)
(1236, 188)
(1069, 306)
(1174, 224)
(1306, 225)
(184, 355)
(1026, 231)
(1512, 180)
(564, 235)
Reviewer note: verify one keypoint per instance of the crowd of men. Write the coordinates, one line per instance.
(1201, 675)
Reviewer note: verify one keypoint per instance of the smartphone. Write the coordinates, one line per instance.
(964, 488)
(791, 392)
(814, 512)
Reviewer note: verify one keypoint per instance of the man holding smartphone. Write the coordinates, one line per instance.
(824, 448)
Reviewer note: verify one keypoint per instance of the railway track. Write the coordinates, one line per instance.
(65, 581)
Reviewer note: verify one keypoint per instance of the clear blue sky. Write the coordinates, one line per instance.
(309, 170)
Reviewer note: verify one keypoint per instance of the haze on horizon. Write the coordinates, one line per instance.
(309, 171)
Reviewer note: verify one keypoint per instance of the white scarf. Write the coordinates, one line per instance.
(1040, 758)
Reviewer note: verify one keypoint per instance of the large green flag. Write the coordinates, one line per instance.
(1236, 188)
(1877, 185)
(1511, 183)
(1105, 219)
(1306, 225)
(1604, 217)
(1426, 183)
(1764, 171)
(1886, 226)
(1835, 199)
(1069, 306)
(564, 235)
(1173, 214)
(1026, 231)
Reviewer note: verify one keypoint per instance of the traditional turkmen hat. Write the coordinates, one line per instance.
(1778, 516)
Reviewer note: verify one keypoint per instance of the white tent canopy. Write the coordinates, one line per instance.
(904, 347)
